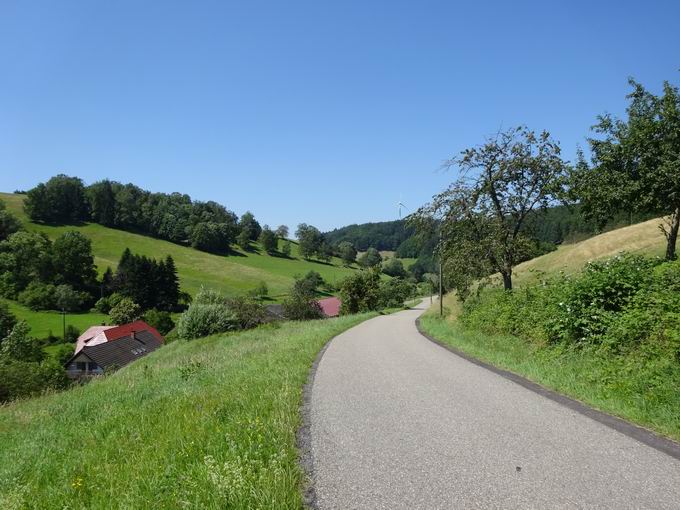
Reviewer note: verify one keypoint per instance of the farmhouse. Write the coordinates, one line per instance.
(106, 347)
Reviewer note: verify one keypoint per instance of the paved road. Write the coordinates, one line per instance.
(399, 422)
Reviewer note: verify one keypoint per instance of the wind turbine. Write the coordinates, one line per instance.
(400, 205)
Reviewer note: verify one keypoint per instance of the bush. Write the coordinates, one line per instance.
(202, 319)
(361, 292)
(125, 311)
(45, 296)
(627, 302)
(72, 334)
(248, 314)
(160, 320)
(38, 296)
(19, 379)
(7, 321)
(394, 267)
(395, 292)
(259, 292)
(301, 304)
(20, 346)
(105, 304)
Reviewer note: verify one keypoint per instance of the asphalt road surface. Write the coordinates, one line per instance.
(399, 422)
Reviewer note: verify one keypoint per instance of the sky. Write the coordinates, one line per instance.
(321, 112)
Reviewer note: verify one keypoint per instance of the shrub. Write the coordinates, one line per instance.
(71, 334)
(20, 346)
(202, 319)
(20, 379)
(105, 304)
(160, 320)
(394, 267)
(38, 296)
(125, 311)
(301, 303)
(7, 321)
(248, 313)
(68, 299)
(259, 292)
(360, 292)
(395, 292)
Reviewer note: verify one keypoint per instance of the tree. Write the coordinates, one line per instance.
(268, 240)
(360, 292)
(59, 200)
(160, 320)
(243, 239)
(347, 253)
(394, 267)
(250, 225)
(125, 311)
(20, 346)
(212, 237)
(73, 260)
(636, 162)
(281, 232)
(102, 200)
(310, 240)
(371, 258)
(8, 222)
(286, 248)
(7, 321)
(24, 257)
(482, 214)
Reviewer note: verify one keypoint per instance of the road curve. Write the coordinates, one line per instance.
(396, 421)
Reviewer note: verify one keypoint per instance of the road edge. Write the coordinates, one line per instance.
(640, 434)
(303, 436)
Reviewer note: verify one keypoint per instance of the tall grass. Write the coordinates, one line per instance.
(204, 424)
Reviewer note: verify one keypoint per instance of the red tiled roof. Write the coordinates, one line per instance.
(330, 306)
(126, 330)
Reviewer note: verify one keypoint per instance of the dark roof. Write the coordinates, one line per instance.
(121, 351)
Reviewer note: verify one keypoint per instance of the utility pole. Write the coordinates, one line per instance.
(441, 289)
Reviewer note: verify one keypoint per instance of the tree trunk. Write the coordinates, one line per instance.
(672, 235)
(507, 279)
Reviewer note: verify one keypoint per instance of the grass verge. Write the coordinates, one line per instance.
(204, 424)
(610, 384)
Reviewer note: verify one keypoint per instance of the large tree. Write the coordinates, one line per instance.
(636, 162)
(73, 260)
(8, 222)
(310, 240)
(482, 214)
(59, 200)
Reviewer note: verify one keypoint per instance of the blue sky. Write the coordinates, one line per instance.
(322, 112)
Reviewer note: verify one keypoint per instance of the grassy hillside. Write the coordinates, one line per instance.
(204, 424)
(644, 238)
(232, 274)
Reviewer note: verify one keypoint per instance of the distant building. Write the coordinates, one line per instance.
(105, 347)
(330, 306)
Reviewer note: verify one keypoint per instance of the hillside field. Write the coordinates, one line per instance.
(232, 275)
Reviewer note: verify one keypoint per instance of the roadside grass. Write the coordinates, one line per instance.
(209, 423)
(233, 274)
(610, 384)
